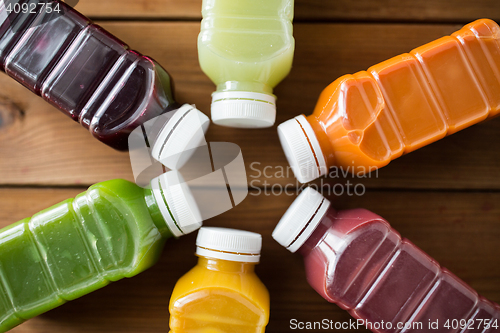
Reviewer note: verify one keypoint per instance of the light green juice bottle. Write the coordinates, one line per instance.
(246, 48)
(115, 229)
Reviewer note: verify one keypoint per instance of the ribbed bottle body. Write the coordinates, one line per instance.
(74, 248)
(369, 118)
(360, 263)
(82, 69)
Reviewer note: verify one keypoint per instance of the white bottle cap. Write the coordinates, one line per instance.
(302, 149)
(228, 244)
(176, 203)
(243, 109)
(301, 219)
(181, 134)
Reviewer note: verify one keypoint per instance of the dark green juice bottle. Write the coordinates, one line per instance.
(115, 229)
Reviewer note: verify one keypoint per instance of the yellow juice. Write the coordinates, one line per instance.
(219, 295)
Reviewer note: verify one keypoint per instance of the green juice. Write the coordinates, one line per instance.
(246, 48)
(115, 229)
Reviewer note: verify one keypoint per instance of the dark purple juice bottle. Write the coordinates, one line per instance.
(355, 259)
(82, 69)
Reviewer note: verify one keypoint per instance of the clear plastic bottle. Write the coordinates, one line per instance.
(115, 229)
(355, 259)
(363, 121)
(83, 70)
(246, 48)
(221, 293)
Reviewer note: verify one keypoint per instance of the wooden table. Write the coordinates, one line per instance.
(445, 197)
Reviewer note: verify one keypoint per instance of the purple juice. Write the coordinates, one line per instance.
(12, 26)
(355, 259)
(83, 70)
(41, 46)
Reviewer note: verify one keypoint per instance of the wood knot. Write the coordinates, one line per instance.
(10, 112)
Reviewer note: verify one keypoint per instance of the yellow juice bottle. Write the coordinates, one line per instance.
(222, 293)
(246, 48)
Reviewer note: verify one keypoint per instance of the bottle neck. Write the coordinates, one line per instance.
(318, 234)
(226, 266)
(256, 87)
(319, 129)
(156, 215)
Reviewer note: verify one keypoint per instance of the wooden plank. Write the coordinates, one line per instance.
(45, 147)
(313, 10)
(459, 230)
(394, 10)
(186, 9)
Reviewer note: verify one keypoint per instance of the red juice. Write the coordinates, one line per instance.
(83, 70)
(355, 259)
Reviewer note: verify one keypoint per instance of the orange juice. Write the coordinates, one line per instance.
(221, 293)
(367, 119)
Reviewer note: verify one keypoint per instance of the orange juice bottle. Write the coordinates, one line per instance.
(365, 120)
(221, 293)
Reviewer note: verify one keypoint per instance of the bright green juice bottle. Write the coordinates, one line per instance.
(246, 48)
(115, 229)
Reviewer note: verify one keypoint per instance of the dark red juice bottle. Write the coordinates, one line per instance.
(83, 70)
(355, 259)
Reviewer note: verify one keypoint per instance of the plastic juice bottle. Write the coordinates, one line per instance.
(246, 48)
(365, 120)
(82, 69)
(221, 293)
(115, 229)
(355, 259)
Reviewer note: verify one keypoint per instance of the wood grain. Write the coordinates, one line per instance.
(461, 233)
(46, 148)
(443, 197)
(309, 10)
(44, 141)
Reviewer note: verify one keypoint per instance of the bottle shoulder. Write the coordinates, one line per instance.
(119, 200)
(116, 191)
(340, 247)
(201, 282)
(219, 301)
(116, 185)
